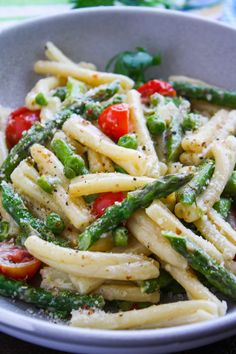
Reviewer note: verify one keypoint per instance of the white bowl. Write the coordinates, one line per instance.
(189, 46)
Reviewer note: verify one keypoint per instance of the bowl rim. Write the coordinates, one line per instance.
(61, 332)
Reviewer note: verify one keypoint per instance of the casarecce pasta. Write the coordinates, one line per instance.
(119, 193)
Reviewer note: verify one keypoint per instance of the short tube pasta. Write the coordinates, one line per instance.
(132, 161)
(95, 264)
(144, 138)
(105, 182)
(225, 159)
(160, 214)
(48, 164)
(124, 292)
(149, 234)
(154, 316)
(89, 76)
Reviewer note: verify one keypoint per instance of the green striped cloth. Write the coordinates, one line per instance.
(13, 11)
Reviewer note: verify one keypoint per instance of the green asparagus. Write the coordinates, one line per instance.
(60, 93)
(4, 230)
(55, 223)
(62, 301)
(92, 110)
(73, 164)
(230, 188)
(209, 94)
(173, 140)
(47, 183)
(120, 236)
(75, 90)
(103, 92)
(223, 207)
(120, 212)
(41, 134)
(216, 274)
(187, 194)
(191, 122)
(151, 285)
(14, 205)
(36, 134)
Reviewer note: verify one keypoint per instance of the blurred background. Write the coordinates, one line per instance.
(13, 11)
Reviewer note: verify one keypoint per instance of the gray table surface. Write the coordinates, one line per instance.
(9, 345)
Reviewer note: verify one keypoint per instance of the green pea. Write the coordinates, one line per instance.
(155, 124)
(41, 100)
(128, 141)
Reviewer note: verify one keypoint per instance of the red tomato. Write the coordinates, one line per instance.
(114, 120)
(17, 263)
(156, 86)
(20, 120)
(104, 201)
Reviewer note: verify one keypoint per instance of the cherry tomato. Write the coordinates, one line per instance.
(104, 201)
(114, 120)
(20, 120)
(156, 86)
(17, 263)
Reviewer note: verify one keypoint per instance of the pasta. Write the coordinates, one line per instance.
(121, 198)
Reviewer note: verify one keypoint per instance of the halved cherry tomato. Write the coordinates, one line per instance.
(156, 86)
(16, 262)
(104, 201)
(20, 120)
(114, 120)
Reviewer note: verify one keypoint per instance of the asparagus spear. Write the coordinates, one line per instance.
(174, 138)
(73, 164)
(223, 207)
(187, 194)
(55, 223)
(36, 134)
(216, 274)
(120, 212)
(230, 188)
(63, 301)
(191, 122)
(4, 230)
(14, 205)
(41, 134)
(103, 92)
(151, 285)
(213, 95)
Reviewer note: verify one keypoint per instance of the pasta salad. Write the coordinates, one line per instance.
(117, 195)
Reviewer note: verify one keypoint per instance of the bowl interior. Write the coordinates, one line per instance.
(189, 46)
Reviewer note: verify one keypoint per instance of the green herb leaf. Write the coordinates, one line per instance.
(91, 3)
(133, 64)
